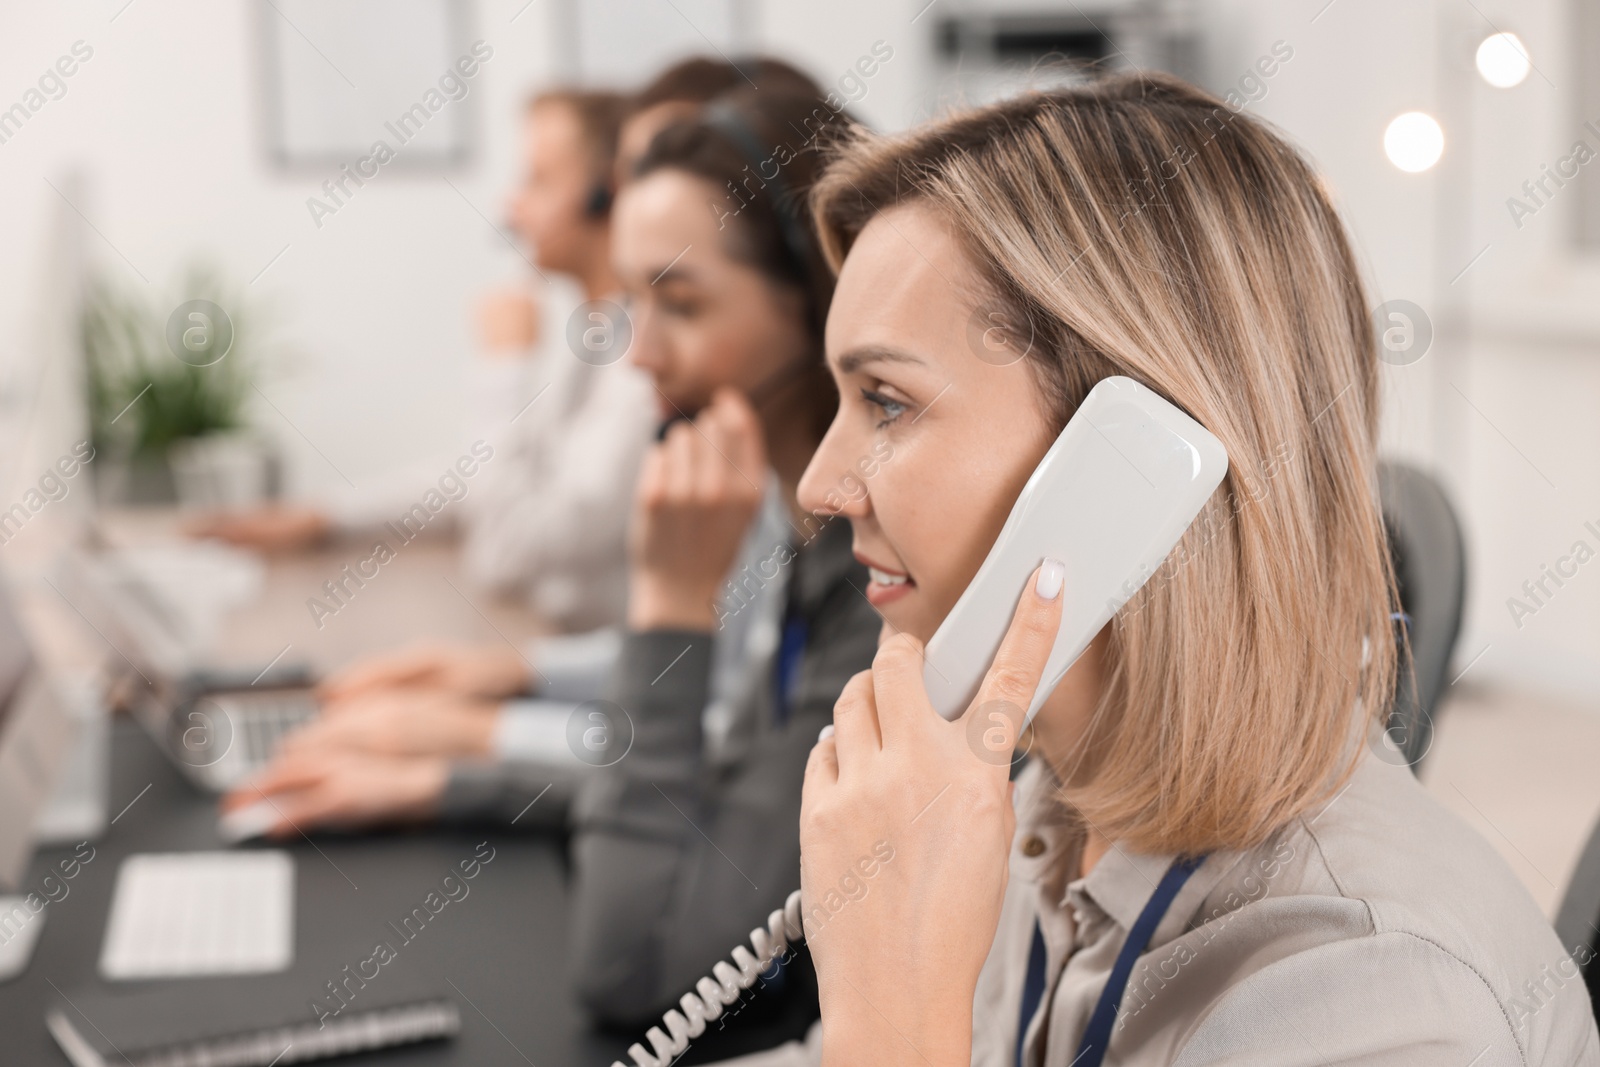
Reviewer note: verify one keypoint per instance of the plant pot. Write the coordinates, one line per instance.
(221, 471)
(141, 479)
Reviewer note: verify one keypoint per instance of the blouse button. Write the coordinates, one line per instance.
(1033, 847)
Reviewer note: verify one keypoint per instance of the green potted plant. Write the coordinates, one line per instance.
(168, 386)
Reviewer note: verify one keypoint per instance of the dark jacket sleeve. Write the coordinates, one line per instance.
(523, 794)
(675, 861)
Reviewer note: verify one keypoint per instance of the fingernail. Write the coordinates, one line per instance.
(1052, 575)
(825, 733)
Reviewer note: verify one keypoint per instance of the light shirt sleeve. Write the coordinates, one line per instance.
(575, 667)
(550, 515)
(535, 731)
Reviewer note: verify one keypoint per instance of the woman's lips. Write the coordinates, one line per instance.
(886, 586)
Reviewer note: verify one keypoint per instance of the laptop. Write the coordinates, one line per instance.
(218, 726)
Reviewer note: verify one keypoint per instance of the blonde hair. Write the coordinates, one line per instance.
(1140, 227)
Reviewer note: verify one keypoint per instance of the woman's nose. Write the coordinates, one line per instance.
(830, 485)
(646, 351)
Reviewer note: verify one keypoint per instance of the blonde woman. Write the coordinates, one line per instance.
(1202, 863)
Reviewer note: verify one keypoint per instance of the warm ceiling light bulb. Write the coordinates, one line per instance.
(1413, 142)
(1503, 60)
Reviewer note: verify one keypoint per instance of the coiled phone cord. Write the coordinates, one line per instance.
(720, 988)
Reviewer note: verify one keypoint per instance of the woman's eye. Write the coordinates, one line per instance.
(892, 409)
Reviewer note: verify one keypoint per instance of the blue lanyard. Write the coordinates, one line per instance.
(790, 651)
(1097, 1035)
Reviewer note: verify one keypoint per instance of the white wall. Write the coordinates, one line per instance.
(164, 119)
(1503, 409)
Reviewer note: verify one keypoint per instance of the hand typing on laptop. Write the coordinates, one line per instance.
(381, 748)
(489, 672)
(400, 722)
(380, 756)
(339, 788)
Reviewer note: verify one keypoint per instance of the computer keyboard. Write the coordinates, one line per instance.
(264, 719)
(225, 738)
(185, 914)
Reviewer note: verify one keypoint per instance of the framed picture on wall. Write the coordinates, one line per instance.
(340, 77)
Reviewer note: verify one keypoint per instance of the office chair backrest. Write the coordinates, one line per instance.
(1430, 566)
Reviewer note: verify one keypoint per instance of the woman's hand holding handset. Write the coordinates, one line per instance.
(897, 962)
(698, 492)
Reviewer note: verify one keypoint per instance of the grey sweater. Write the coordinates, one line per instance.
(533, 787)
(676, 859)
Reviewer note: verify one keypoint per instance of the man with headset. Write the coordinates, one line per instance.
(546, 515)
(552, 518)
(567, 418)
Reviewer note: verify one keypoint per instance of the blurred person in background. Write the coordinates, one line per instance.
(513, 534)
(497, 671)
(678, 92)
(731, 332)
(740, 312)
(545, 519)
(550, 518)
(551, 506)
(562, 213)
(468, 710)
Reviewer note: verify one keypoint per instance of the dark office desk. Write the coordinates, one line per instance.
(503, 945)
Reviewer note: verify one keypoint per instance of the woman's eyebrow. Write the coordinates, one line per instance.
(856, 358)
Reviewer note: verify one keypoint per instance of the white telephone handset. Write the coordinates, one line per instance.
(1110, 499)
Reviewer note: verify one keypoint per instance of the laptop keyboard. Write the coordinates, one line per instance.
(264, 719)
